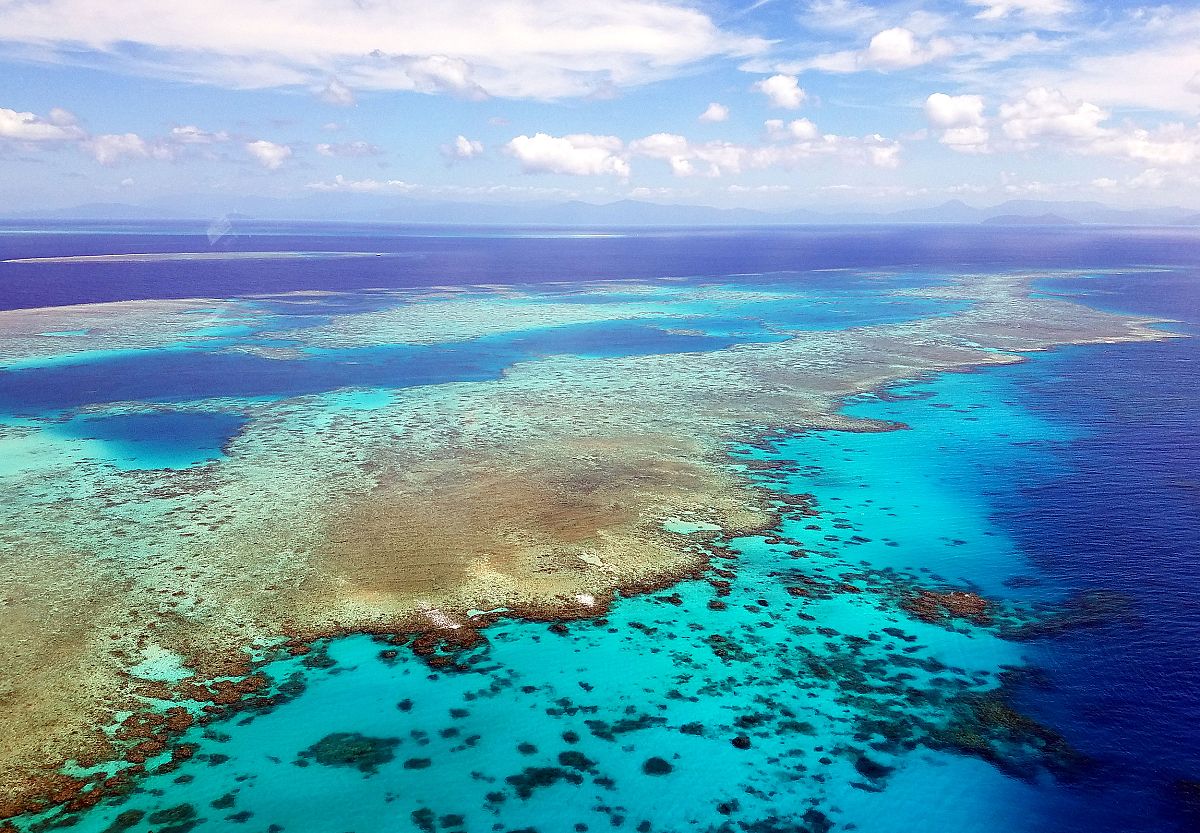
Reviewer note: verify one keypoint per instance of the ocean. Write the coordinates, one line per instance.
(814, 677)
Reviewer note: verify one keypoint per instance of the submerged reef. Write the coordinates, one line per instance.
(543, 492)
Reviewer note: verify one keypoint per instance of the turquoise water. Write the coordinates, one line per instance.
(794, 648)
(154, 439)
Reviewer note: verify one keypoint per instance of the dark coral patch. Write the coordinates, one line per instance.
(657, 766)
(352, 749)
(535, 777)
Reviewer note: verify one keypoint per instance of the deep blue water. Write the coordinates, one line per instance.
(434, 256)
(1126, 517)
(1076, 472)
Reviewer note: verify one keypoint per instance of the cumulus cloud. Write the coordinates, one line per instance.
(28, 127)
(895, 48)
(715, 113)
(788, 145)
(268, 154)
(579, 154)
(462, 148)
(782, 91)
(961, 121)
(507, 48)
(1042, 112)
(1047, 118)
(713, 158)
(348, 149)
(947, 111)
(336, 93)
(801, 129)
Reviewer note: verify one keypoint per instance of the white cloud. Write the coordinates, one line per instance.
(1048, 118)
(268, 154)
(788, 146)
(400, 186)
(363, 186)
(111, 148)
(191, 135)
(1042, 112)
(1040, 9)
(838, 15)
(348, 149)
(336, 93)
(1171, 144)
(801, 129)
(660, 146)
(782, 91)
(800, 149)
(180, 142)
(62, 118)
(891, 49)
(1032, 186)
(961, 121)
(715, 113)
(894, 49)
(970, 139)
(1149, 178)
(507, 48)
(1148, 59)
(462, 148)
(27, 127)
(717, 157)
(579, 154)
(948, 111)
(758, 189)
(882, 153)
(442, 74)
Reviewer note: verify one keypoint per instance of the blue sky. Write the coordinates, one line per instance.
(771, 104)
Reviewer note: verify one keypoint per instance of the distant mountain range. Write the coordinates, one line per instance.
(1028, 220)
(399, 209)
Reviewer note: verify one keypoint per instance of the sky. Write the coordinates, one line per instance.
(771, 104)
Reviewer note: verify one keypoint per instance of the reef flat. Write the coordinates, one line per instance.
(541, 487)
(167, 257)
